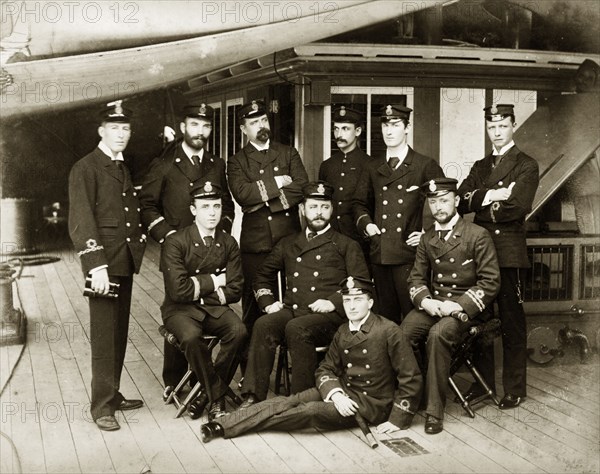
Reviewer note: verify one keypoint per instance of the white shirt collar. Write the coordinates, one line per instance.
(189, 152)
(202, 234)
(107, 151)
(401, 156)
(320, 232)
(356, 327)
(448, 225)
(504, 149)
(260, 148)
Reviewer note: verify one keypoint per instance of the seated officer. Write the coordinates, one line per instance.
(356, 376)
(203, 275)
(456, 270)
(313, 262)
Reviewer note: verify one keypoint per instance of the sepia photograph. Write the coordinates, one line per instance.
(300, 236)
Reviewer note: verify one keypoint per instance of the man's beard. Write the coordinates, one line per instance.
(444, 218)
(263, 135)
(197, 143)
(317, 226)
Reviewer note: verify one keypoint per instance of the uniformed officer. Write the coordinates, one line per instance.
(266, 179)
(389, 210)
(165, 198)
(106, 230)
(500, 189)
(203, 276)
(313, 262)
(356, 376)
(343, 171)
(455, 270)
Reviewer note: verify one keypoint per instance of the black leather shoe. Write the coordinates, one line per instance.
(217, 409)
(108, 423)
(130, 405)
(433, 425)
(166, 392)
(210, 431)
(510, 401)
(475, 391)
(249, 401)
(197, 406)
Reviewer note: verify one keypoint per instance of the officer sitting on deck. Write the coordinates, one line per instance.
(356, 376)
(456, 271)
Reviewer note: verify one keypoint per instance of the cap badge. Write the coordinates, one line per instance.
(494, 110)
(202, 108)
(117, 105)
(208, 187)
(342, 111)
(388, 110)
(254, 106)
(350, 283)
(321, 189)
(432, 186)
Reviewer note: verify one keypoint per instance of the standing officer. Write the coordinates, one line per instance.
(389, 210)
(266, 179)
(357, 376)
(455, 270)
(343, 170)
(203, 275)
(314, 262)
(165, 199)
(105, 227)
(500, 189)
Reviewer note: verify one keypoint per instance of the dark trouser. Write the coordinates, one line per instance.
(302, 333)
(109, 323)
(174, 365)
(231, 333)
(391, 290)
(514, 339)
(250, 309)
(302, 410)
(442, 335)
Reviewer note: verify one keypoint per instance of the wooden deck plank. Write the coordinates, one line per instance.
(177, 434)
(578, 390)
(59, 446)
(292, 452)
(260, 455)
(86, 436)
(467, 445)
(20, 419)
(331, 456)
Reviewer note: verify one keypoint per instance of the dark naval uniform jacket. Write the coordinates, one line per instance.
(166, 187)
(104, 216)
(392, 200)
(463, 268)
(505, 221)
(184, 255)
(313, 270)
(269, 212)
(343, 171)
(365, 366)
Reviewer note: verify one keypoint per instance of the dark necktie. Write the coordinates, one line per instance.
(353, 332)
(196, 160)
(265, 151)
(393, 162)
(311, 235)
(497, 160)
(118, 163)
(443, 234)
(208, 240)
